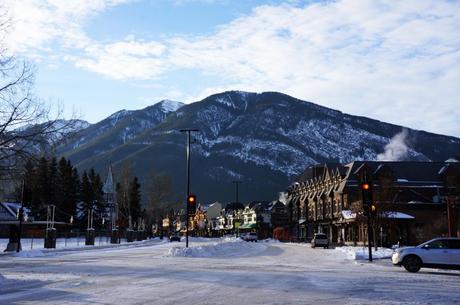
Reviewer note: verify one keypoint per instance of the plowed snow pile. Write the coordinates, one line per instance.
(229, 247)
(360, 253)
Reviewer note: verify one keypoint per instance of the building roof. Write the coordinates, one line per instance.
(108, 187)
(412, 172)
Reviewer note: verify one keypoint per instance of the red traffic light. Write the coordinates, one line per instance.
(191, 199)
(365, 186)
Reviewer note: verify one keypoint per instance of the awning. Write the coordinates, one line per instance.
(248, 226)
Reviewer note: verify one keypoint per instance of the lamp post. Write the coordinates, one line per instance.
(20, 216)
(236, 189)
(188, 131)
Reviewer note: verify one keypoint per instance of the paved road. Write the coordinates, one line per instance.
(272, 273)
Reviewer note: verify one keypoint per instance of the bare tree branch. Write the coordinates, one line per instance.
(27, 124)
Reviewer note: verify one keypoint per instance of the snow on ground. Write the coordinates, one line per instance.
(268, 273)
(226, 247)
(39, 243)
(26, 253)
(362, 253)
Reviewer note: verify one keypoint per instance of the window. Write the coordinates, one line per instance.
(454, 244)
(438, 244)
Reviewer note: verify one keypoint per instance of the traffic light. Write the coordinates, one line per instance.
(366, 190)
(373, 209)
(191, 204)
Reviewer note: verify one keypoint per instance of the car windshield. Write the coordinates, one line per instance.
(320, 236)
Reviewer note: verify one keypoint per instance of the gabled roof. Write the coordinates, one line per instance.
(108, 187)
(414, 172)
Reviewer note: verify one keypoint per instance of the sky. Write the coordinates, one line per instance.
(395, 61)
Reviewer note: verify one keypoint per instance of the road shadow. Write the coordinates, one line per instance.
(15, 291)
(440, 272)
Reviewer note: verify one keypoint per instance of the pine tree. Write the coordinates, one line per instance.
(98, 194)
(86, 196)
(123, 212)
(29, 186)
(42, 189)
(134, 197)
(52, 183)
(67, 189)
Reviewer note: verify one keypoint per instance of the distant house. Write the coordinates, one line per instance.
(411, 199)
(279, 214)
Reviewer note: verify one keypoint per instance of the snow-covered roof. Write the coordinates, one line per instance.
(347, 214)
(9, 211)
(398, 215)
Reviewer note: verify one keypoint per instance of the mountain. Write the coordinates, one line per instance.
(265, 140)
(116, 130)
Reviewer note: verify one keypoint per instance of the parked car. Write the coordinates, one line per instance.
(174, 237)
(443, 253)
(252, 236)
(320, 240)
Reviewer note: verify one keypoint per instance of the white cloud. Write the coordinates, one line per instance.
(39, 23)
(125, 59)
(396, 61)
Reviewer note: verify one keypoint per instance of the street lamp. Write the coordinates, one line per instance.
(188, 131)
(236, 189)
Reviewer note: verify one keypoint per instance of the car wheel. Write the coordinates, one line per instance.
(412, 263)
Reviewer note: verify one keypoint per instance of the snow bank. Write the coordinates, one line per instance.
(199, 239)
(25, 253)
(226, 247)
(361, 253)
(29, 253)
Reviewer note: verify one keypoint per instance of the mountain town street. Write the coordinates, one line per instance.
(224, 271)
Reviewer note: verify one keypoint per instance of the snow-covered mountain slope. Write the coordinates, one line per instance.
(263, 139)
(116, 130)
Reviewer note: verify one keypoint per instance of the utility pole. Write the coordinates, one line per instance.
(451, 217)
(366, 190)
(236, 194)
(188, 131)
(20, 216)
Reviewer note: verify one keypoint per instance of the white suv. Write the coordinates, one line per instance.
(443, 253)
(252, 236)
(320, 240)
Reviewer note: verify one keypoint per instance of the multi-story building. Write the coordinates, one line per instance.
(411, 199)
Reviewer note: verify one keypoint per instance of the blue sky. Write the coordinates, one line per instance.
(394, 61)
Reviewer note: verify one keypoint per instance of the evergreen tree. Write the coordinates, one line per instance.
(42, 189)
(53, 181)
(67, 189)
(29, 186)
(123, 212)
(98, 194)
(86, 196)
(134, 197)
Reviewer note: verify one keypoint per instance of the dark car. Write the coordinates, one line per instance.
(174, 237)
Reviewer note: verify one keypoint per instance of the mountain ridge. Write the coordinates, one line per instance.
(265, 139)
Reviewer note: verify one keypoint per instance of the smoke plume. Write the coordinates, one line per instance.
(396, 149)
(282, 197)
